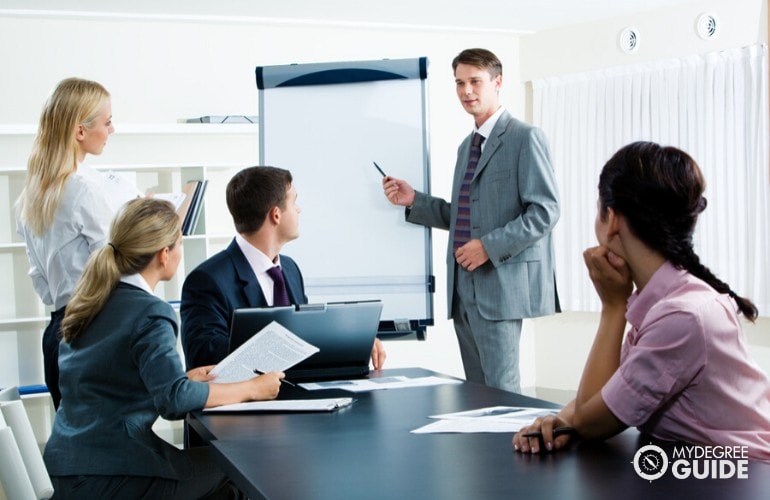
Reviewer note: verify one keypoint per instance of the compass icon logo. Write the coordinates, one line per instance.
(650, 462)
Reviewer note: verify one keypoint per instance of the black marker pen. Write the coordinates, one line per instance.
(379, 169)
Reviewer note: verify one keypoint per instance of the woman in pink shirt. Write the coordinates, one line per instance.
(684, 372)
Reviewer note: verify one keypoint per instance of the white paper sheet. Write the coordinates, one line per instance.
(274, 348)
(327, 404)
(175, 199)
(490, 419)
(374, 384)
(119, 188)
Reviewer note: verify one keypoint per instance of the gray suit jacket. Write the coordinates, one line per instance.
(515, 206)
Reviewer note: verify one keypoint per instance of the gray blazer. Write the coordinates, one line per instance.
(515, 206)
(116, 379)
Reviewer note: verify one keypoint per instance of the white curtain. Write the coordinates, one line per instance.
(715, 107)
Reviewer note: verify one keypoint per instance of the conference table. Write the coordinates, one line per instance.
(366, 451)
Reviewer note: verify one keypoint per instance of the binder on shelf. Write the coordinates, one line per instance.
(190, 210)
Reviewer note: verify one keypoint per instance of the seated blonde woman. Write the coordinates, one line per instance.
(119, 371)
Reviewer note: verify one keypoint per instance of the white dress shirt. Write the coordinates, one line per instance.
(80, 226)
(259, 263)
(486, 128)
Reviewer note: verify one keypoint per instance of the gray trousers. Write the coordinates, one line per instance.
(489, 349)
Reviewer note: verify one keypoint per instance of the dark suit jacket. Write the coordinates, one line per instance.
(116, 379)
(515, 206)
(213, 290)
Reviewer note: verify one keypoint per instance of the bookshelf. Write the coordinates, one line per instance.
(159, 158)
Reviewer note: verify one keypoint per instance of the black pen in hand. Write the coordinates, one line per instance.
(379, 169)
(258, 372)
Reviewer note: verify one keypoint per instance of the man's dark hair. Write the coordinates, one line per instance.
(253, 192)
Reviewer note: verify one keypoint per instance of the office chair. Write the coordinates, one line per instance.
(22, 471)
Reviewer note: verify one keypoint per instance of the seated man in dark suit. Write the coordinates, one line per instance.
(263, 204)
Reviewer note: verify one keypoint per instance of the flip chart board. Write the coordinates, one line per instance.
(327, 123)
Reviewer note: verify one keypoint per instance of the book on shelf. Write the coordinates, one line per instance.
(192, 213)
(187, 203)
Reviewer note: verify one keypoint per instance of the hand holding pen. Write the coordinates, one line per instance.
(545, 434)
(283, 379)
(399, 192)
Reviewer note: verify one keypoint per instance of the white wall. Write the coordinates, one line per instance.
(160, 71)
(665, 33)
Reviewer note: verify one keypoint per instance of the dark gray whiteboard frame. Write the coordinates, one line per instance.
(384, 79)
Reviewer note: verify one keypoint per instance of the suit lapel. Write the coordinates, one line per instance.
(291, 287)
(251, 289)
(493, 142)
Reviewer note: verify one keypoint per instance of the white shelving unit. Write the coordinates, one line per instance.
(159, 158)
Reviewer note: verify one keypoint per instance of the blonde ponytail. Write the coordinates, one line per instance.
(141, 229)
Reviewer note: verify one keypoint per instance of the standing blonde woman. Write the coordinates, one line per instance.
(64, 211)
(120, 370)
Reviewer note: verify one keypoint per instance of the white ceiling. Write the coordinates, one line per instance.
(514, 16)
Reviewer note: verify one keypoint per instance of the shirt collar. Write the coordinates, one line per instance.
(659, 285)
(258, 261)
(138, 281)
(486, 128)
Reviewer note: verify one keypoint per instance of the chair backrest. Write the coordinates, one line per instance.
(10, 394)
(14, 480)
(17, 427)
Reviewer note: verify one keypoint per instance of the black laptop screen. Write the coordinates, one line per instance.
(343, 332)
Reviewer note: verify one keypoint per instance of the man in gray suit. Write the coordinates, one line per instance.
(500, 262)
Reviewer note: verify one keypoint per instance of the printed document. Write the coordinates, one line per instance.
(274, 348)
(491, 419)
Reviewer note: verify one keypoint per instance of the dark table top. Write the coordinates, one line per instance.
(367, 451)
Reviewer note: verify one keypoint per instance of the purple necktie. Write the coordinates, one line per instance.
(463, 222)
(280, 293)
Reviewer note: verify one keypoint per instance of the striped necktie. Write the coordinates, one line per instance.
(280, 293)
(462, 233)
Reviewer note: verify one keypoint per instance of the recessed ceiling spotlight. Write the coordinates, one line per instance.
(707, 26)
(629, 40)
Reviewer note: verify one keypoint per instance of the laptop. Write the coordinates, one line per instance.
(344, 333)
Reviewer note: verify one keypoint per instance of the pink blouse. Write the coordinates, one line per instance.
(685, 372)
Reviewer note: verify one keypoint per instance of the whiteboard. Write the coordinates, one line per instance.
(327, 123)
